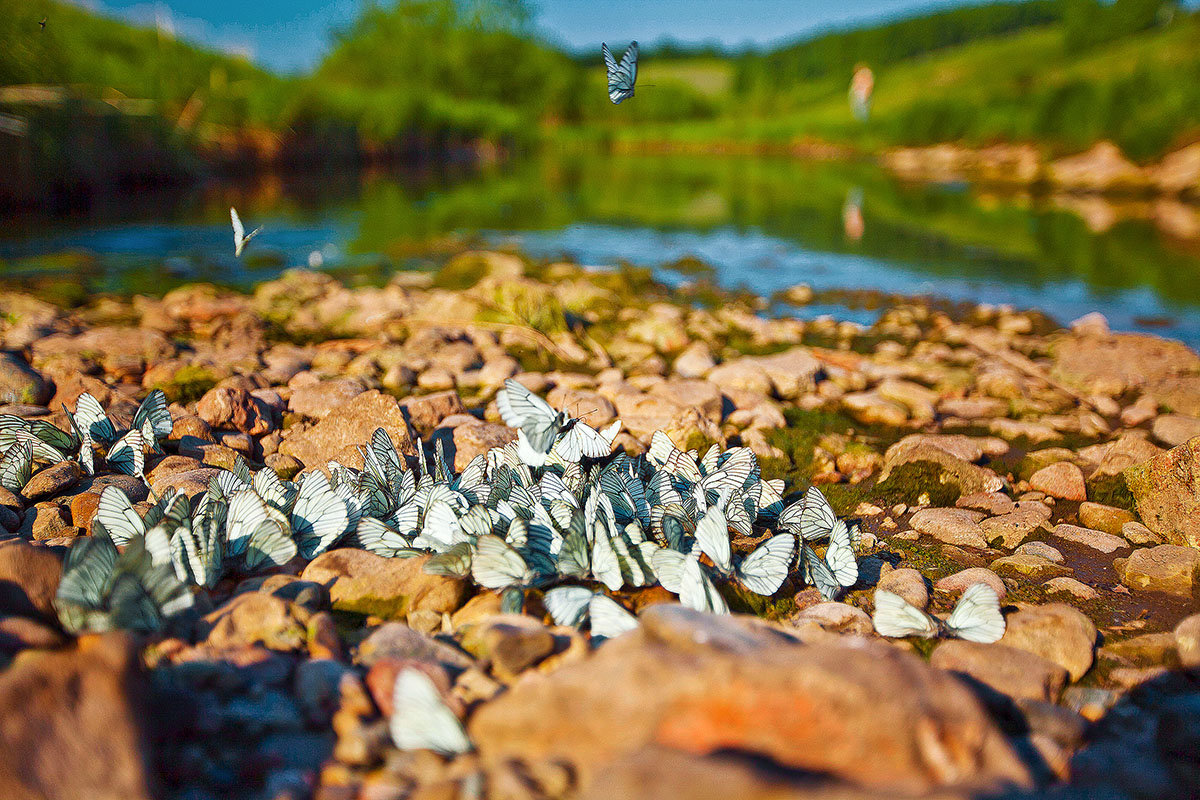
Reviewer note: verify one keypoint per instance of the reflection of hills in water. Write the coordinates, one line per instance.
(761, 221)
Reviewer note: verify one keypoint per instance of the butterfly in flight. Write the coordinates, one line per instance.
(623, 76)
(42, 24)
(540, 427)
(240, 238)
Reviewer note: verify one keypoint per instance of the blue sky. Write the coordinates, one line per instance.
(292, 34)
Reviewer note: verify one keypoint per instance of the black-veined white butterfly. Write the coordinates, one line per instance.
(240, 237)
(573, 605)
(622, 76)
(976, 617)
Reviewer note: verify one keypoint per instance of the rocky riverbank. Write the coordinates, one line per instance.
(1056, 465)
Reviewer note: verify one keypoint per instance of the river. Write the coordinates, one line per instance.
(852, 232)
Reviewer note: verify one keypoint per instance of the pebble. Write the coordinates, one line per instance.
(1040, 549)
(961, 580)
(1096, 540)
(1166, 568)
(1063, 480)
(957, 526)
(1072, 587)
(1056, 632)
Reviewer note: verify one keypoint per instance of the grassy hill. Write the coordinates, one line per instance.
(1138, 86)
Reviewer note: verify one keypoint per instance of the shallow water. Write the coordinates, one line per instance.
(763, 224)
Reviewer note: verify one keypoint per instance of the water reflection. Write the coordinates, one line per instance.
(762, 223)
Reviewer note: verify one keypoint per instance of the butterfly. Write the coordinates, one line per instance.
(103, 589)
(421, 720)
(152, 420)
(682, 575)
(48, 442)
(623, 76)
(837, 570)
(572, 605)
(16, 468)
(976, 617)
(240, 238)
(539, 427)
(319, 516)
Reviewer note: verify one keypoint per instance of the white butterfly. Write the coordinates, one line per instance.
(541, 429)
(572, 605)
(623, 76)
(683, 575)
(239, 233)
(497, 565)
(976, 617)
(764, 570)
(421, 720)
(319, 517)
(838, 569)
(812, 519)
(128, 455)
(16, 468)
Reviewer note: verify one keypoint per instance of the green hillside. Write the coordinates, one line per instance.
(1066, 83)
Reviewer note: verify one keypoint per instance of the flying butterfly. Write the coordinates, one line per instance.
(240, 237)
(539, 428)
(622, 76)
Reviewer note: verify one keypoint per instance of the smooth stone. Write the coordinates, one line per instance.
(389, 588)
(957, 526)
(1028, 567)
(1096, 540)
(1062, 480)
(1167, 568)
(1041, 549)
(1066, 585)
(1108, 519)
(907, 583)
(1012, 671)
(1054, 631)
(1011, 530)
(960, 581)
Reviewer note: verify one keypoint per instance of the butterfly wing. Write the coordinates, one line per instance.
(840, 555)
(818, 573)
(128, 455)
(697, 591)
(582, 440)
(765, 570)
(270, 544)
(455, 562)
(895, 617)
(16, 468)
(568, 605)
(90, 416)
(154, 410)
(421, 720)
(609, 619)
(712, 534)
(976, 616)
(605, 566)
(817, 517)
(319, 517)
(497, 565)
(623, 76)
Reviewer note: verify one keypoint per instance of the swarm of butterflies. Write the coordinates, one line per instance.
(556, 510)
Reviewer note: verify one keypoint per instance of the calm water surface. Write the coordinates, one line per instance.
(763, 224)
